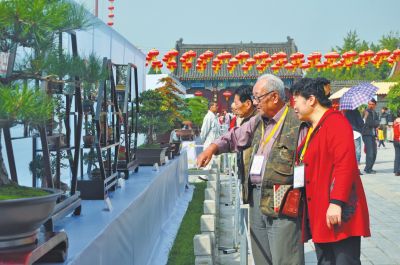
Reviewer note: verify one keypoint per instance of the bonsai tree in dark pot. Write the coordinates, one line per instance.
(32, 31)
(158, 115)
(33, 107)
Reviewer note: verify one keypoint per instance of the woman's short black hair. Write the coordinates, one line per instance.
(307, 87)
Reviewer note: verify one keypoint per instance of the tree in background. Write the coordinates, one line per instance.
(352, 42)
(197, 108)
(393, 97)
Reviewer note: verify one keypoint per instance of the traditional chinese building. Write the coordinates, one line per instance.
(212, 84)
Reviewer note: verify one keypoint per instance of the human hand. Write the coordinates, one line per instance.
(204, 158)
(333, 215)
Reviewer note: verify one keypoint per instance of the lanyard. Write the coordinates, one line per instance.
(303, 152)
(273, 129)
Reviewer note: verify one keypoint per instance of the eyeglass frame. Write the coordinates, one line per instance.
(258, 99)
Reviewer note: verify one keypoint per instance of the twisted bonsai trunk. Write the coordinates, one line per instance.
(4, 180)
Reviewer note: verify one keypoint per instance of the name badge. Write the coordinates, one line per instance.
(257, 166)
(298, 178)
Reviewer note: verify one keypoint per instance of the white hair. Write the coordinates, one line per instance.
(273, 83)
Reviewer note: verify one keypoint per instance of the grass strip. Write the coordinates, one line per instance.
(182, 252)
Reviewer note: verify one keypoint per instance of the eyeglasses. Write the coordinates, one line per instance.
(258, 99)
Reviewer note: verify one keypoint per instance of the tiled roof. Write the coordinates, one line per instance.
(252, 48)
(338, 94)
(337, 85)
(383, 87)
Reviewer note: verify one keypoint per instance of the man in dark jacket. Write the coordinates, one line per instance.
(369, 136)
(244, 110)
(356, 121)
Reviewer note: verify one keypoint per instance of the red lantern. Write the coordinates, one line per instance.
(153, 52)
(290, 67)
(275, 68)
(227, 94)
(198, 93)
(245, 68)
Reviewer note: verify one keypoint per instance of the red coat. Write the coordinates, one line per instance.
(331, 173)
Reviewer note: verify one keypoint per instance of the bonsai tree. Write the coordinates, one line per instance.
(36, 167)
(92, 73)
(33, 25)
(160, 109)
(172, 100)
(20, 104)
(153, 117)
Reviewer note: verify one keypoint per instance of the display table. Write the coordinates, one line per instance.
(131, 231)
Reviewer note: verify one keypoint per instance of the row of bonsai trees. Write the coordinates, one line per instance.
(31, 34)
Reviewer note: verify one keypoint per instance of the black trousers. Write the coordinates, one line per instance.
(396, 157)
(371, 150)
(344, 252)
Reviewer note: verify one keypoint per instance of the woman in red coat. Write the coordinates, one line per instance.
(335, 201)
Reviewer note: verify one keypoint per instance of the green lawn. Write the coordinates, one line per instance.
(182, 252)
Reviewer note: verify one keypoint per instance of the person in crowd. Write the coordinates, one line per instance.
(383, 121)
(381, 137)
(232, 123)
(275, 238)
(357, 123)
(389, 130)
(396, 143)
(210, 127)
(245, 110)
(336, 208)
(369, 135)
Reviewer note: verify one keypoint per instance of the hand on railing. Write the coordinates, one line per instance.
(204, 158)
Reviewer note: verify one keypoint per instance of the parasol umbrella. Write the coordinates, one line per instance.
(357, 95)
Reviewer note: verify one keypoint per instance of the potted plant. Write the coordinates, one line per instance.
(89, 159)
(92, 72)
(158, 114)
(88, 138)
(36, 33)
(34, 107)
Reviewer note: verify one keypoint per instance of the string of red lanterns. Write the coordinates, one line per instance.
(277, 61)
(111, 8)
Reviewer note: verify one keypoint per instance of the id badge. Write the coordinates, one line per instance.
(257, 165)
(298, 178)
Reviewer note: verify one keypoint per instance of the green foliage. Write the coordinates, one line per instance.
(91, 156)
(171, 99)
(197, 108)
(19, 103)
(160, 109)
(182, 250)
(393, 98)
(153, 117)
(152, 71)
(34, 24)
(12, 191)
(352, 42)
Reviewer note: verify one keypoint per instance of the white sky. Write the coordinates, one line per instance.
(314, 24)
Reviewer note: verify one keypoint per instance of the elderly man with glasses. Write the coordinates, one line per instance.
(273, 133)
